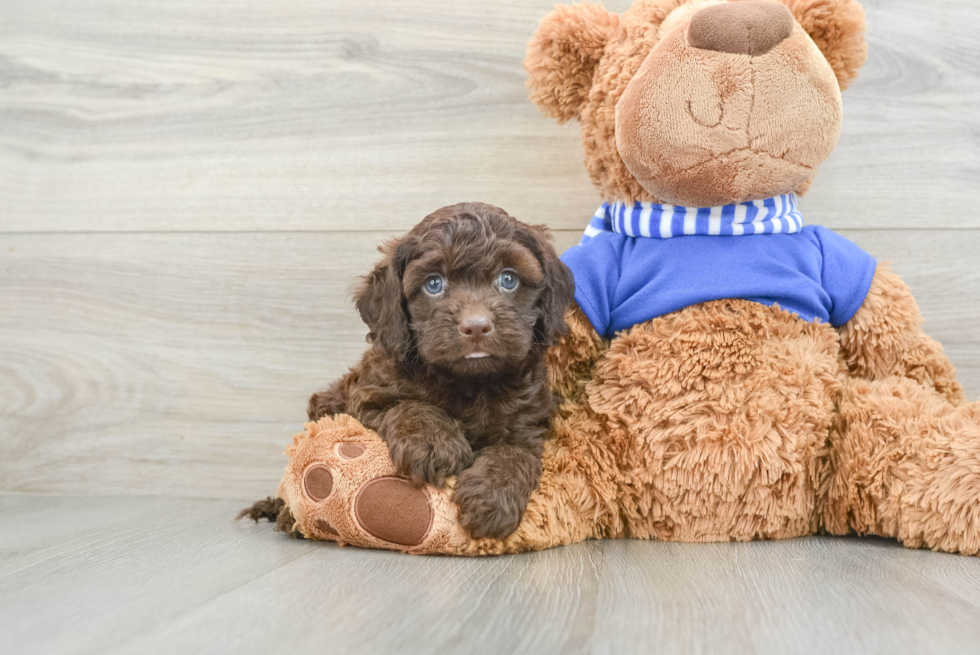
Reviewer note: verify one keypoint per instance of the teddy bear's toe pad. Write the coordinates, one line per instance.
(394, 510)
(350, 450)
(318, 482)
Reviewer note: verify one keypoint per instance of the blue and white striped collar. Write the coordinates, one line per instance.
(777, 215)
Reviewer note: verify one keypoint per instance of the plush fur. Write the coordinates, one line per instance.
(727, 420)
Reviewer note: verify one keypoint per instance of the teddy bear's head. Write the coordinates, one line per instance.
(700, 102)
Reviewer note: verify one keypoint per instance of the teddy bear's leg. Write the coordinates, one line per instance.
(340, 485)
(885, 338)
(903, 462)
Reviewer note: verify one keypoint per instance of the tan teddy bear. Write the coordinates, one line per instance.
(731, 374)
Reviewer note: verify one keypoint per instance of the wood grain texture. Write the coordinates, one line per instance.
(327, 115)
(150, 575)
(120, 570)
(180, 364)
(810, 595)
(168, 354)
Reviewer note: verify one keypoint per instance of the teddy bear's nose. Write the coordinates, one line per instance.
(749, 27)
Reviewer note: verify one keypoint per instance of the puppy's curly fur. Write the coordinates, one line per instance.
(460, 313)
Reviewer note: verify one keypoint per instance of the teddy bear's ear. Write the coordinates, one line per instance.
(562, 57)
(837, 27)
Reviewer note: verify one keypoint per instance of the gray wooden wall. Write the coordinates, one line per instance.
(188, 188)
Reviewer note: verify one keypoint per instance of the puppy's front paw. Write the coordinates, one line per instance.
(487, 509)
(426, 446)
(326, 403)
(429, 458)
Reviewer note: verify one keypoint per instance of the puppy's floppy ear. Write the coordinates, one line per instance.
(837, 27)
(558, 286)
(562, 57)
(380, 301)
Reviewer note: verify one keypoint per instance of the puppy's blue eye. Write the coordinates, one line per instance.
(508, 280)
(433, 285)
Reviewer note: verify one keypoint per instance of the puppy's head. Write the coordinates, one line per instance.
(469, 290)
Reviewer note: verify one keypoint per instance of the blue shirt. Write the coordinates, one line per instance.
(622, 280)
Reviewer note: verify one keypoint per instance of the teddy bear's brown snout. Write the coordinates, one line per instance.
(752, 27)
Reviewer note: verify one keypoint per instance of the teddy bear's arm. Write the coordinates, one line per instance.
(885, 338)
(571, 361)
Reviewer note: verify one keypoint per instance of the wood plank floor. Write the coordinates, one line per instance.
(151, 575)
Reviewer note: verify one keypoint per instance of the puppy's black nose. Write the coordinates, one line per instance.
(475, 327)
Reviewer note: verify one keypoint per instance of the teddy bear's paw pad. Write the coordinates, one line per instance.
(394, 510)
(318, 482)
(349, 450)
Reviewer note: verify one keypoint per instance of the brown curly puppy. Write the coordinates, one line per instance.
(461, 311)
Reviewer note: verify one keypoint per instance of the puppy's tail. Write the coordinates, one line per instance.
(263, 509)
(275, 511)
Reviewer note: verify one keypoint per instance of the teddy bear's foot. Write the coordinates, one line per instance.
(340, 485)
(905, 463)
